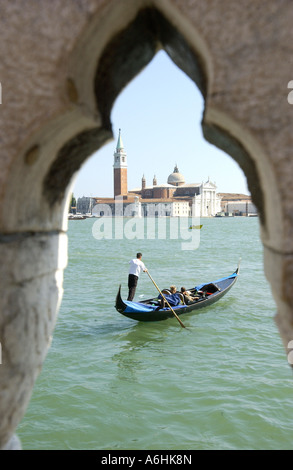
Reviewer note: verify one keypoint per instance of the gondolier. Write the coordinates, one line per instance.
(136, 267)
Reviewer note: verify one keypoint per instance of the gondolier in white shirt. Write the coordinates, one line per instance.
(136, 267)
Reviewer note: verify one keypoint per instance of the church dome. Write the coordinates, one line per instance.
(176, 178)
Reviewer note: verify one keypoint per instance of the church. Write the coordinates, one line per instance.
(175, 198)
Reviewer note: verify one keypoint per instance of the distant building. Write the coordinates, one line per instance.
(176, 198)
(120, 168)
(84, 205)
(237, 204)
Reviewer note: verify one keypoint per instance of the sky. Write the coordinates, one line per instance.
(159, 113)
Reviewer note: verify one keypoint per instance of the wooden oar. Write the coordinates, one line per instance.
(166, 301)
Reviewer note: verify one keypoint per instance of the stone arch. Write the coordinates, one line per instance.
(103, 48)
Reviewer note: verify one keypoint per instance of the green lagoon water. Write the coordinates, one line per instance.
(109, 382)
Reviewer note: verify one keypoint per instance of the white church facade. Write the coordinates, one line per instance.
(207, 203)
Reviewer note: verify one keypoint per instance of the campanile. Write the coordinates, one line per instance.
(120, 168)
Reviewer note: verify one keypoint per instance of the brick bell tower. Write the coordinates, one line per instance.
(120, 168)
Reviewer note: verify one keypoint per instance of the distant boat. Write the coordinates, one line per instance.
(195, 226)
(76, 217)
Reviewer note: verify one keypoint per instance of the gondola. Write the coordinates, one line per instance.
(149, 310)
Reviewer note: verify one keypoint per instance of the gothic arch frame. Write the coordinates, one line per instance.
(121, 59)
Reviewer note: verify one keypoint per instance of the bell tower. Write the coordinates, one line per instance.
(120, 168)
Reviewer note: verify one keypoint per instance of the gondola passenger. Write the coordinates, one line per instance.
(173, 299)
(188, 297)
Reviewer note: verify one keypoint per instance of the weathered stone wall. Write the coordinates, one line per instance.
(58, 71)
